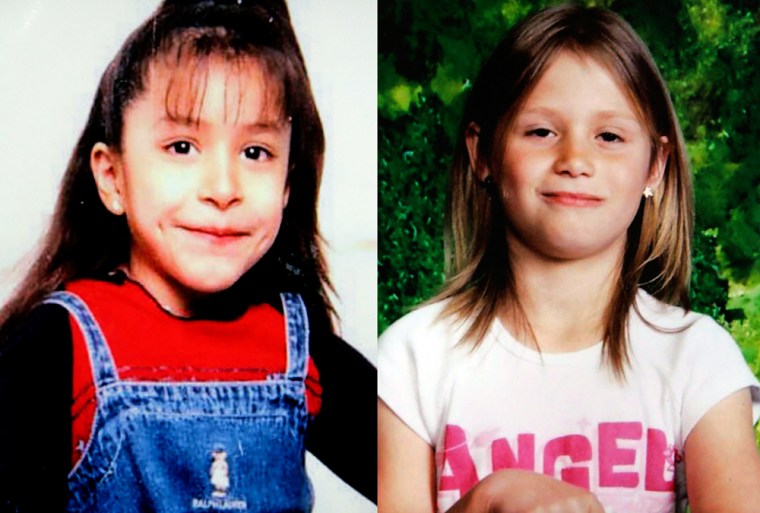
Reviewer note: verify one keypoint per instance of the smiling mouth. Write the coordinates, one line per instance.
(216, 235)
(572, 199)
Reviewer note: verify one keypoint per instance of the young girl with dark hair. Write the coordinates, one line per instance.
(560, 369)
(184, 283)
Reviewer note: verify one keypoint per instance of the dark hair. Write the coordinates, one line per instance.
(86, 240)
(657, 252)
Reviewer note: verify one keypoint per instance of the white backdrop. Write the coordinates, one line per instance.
(52, 55)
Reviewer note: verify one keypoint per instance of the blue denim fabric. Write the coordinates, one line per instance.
(192, 447)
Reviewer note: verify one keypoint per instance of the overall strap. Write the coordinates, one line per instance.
(102, 363)
(297, 324)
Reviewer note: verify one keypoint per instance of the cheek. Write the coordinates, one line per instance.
(632, 177)
(267, 198)
(630, 188)
(152, 184)
(520, 169)
(154, 198)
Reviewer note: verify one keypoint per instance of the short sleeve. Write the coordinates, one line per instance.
(411, 360)
(714, 368)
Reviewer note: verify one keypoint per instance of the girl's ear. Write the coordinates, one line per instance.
(106, 169)
(285, 196)
(471, 136)
(657, 172)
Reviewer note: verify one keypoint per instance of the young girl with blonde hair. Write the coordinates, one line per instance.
(560, 369)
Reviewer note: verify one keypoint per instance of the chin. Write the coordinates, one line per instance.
(210, 282)
(575, 251)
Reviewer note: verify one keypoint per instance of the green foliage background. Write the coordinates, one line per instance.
(707, 50)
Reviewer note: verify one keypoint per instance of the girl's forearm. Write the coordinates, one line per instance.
(476, 500)
(519, 491)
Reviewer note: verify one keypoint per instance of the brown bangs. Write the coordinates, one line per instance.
(182, 65)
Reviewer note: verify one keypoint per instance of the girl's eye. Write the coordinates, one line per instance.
(256, 153)
(180, 148)
(540, 132)
(610, 137)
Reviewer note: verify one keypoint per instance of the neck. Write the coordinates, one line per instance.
(564, 301)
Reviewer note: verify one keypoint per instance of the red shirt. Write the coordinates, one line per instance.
(150, 344)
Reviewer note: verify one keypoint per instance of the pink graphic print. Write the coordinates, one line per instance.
(571, 458)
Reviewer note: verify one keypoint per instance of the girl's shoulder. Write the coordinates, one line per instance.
(418, 361)
(41, 331)
(679, 340)
(671, 323)
(697, 357)
(425, 323)
(649, 307)
(428, 335)
(427, 343)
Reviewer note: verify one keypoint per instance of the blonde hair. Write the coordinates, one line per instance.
(480, 282)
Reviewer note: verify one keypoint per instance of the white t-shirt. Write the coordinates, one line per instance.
(504, 405)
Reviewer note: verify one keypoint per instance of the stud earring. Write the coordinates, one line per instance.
(648, 192)
(488, 184)
(116, 206)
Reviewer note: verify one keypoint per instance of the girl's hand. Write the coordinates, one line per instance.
(519, 491)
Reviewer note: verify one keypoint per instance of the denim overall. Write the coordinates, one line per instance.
(193, 447)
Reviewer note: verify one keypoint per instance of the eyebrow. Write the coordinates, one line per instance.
(616, 114)
(603, 114)
(271, 125)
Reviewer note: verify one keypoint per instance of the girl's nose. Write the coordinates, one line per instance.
(220, 183)
(574, 157)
